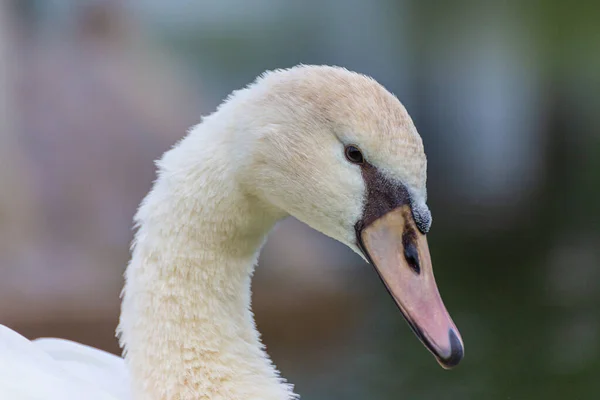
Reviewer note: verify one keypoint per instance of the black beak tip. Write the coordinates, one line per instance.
(457, 351)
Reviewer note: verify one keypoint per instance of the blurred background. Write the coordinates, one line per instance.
(506, 96)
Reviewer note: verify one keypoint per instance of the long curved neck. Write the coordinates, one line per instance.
(186, 324)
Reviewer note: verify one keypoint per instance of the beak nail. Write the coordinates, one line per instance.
(457, 351)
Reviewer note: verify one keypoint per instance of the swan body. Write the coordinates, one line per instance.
(273, 149)
(58, 369)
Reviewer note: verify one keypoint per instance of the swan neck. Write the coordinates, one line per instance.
(186, 325)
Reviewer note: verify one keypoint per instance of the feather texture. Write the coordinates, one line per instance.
(53, 369)
(273, 149)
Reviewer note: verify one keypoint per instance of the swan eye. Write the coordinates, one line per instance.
(354, 155)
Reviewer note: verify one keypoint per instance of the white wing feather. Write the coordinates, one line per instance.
(53, 369)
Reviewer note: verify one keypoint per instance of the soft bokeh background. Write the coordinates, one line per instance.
(505, 94)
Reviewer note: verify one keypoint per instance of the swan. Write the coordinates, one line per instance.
(332, 148)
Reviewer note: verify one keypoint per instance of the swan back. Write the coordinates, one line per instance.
(49, 369)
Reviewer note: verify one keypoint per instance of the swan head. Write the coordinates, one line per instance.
(336, 150)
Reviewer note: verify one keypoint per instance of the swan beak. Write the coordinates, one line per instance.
(400, 254)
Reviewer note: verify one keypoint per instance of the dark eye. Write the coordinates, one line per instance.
(354, 155)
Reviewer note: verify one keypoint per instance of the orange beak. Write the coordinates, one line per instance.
(400, 254)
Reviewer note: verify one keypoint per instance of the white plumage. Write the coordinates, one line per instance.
(49, 369)
(271, 150)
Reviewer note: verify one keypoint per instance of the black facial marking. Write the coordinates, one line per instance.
(383, 195)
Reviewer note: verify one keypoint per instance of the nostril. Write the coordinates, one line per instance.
(412, 257)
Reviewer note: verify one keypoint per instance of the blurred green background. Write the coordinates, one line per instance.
(505, 94)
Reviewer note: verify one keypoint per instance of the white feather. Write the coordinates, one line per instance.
(53, 369)
(271, 150)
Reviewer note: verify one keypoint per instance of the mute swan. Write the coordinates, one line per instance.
(328, 146)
